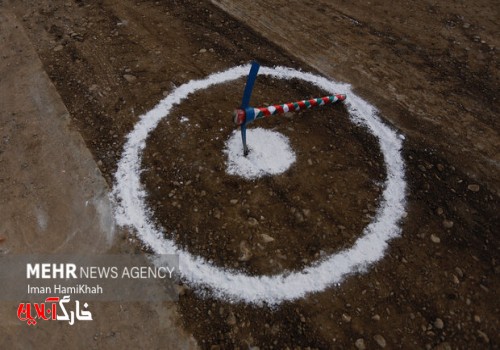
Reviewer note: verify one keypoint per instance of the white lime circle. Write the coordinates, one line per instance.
(131, 210)
(270, 154)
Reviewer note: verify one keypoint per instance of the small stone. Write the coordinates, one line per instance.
(455, 279)
(473, 188)
(203, 50)
(435, 239)
(233, 201)
(459, 272)
(99, 163)
(309, 161)
(266, 238)
(466, 25)
(440, 167)
(246, 253)
(231, 319)
(58, 48)
(438, 323)
(376, 317)
(360, 344)
(307, 212)
(130, 78)
(182, 289)
(439, 211)
(217, 213)
(253, 221)
(346, 318)
(448, 224)
(215, 347)
(380, 340)
(299, 217)
(483, 336)
(477, 319)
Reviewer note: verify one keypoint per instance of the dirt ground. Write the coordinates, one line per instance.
(432, 70)
(54, 200)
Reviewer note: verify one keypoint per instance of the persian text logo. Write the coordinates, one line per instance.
(48, 310)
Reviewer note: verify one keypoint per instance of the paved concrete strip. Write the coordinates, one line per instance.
(54, 198)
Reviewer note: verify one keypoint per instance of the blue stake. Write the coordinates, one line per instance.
(247, 94)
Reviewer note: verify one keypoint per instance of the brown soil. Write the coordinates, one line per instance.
(426, 292)
(311, 210)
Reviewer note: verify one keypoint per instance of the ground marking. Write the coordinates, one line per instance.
(131, 210)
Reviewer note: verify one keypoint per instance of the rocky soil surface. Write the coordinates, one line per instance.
(431, 70)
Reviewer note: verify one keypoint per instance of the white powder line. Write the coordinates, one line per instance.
(131, 210)
(270, 154)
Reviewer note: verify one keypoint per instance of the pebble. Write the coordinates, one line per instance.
(299, 217)
(440, 167)
(346, 318)
(253, 221)
(99, 163)
(448, 224)
(203, 50)
(360, 344)
(246, 253)
(466, 25)
(380, 340)
(231, 319)
(438, 323)
(435, 239)
(182, 289)
(266, 238)
(483, 336)
(439, 211)
(473, 188)
(459, 272)
(129, 77)
(233, 201)
(376, 317)
(58, 48)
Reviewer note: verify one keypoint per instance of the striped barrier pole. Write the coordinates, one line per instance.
(246, 114)
(249, 114)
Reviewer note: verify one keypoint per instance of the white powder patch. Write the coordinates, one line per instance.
(131, 209)
(41, 218)
(270, 154)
